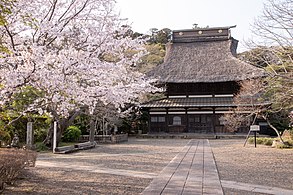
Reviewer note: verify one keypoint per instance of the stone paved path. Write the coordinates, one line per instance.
(192, 171)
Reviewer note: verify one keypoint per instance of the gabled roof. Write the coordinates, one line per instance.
(203, 58)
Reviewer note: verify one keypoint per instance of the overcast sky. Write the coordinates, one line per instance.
(181, 14)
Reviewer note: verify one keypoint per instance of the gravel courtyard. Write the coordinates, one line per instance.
(128, 168)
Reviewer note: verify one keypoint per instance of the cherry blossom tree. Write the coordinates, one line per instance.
(5, 9)
(76, 52)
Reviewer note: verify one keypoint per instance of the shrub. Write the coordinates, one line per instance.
(4, 137)
(283, 146)
(13, 162)
(82, 122)
(259, 140)
(290, 142)
(41, 147)
(71, 134)
(268, 141)
(40, 134)
(251, 140)
(291, 133)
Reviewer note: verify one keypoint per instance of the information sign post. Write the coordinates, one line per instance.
(254, 129)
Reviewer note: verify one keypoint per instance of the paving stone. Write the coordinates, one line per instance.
(255, 188)
(213, 191)
(281, 191)
(192, 192)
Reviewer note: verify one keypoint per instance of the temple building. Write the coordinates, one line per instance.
(201, 74)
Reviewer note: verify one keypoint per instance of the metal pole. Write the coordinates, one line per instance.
(55, 136)
(255, 139)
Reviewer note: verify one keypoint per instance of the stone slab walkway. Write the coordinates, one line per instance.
(192, 171)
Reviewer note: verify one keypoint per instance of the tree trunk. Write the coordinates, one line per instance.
(49, 138)
(62, 125)
(92, 129)
(276, 130)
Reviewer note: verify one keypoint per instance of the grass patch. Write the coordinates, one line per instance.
(269, 142)
(262, 140)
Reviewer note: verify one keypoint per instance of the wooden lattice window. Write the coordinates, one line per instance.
(176, 120)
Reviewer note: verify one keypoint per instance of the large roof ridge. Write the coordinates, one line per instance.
(205, 28)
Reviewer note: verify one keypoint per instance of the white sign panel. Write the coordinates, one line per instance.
(254, 128)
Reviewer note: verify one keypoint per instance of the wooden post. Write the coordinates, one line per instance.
(187, 121)
(55, 136)
(29, 135)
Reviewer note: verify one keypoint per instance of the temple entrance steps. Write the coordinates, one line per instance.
(192, 171)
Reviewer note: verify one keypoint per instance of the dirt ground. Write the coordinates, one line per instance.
(128, 168)
(262, 165)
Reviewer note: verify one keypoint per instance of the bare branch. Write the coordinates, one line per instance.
(71, 18)
(52, 10)
(67, 10)
(10, 36)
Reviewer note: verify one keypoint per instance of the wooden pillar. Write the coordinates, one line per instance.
(167, 120)
(149, 121)
(214, 120)
(187, 120)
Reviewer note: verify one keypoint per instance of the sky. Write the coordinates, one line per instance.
(143, 15)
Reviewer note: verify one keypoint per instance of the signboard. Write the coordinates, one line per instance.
(254, 128)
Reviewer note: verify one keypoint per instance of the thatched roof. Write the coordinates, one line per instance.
(200, 58)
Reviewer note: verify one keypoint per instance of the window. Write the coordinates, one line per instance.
(161, 119)
(176, 120)
(203, 119)
(191, 119)
(157, 119)
(196, 119)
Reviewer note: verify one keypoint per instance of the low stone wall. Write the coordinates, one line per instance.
(119, 138)
(106, 138)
